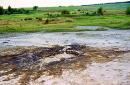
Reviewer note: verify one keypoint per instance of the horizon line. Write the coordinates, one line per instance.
(69, 5)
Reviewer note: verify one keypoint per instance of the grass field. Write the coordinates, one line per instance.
(113, 6)
(114, 16)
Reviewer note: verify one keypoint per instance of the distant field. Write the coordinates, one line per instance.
(113, 6)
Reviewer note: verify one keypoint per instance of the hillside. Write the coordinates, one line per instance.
(108, 6)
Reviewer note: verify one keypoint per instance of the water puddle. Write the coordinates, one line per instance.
(92, 28)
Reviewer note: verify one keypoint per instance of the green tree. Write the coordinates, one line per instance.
(100, 11)
(1, 10)
(10, 10)
(35, 8)
(21, 11)
(65, 12)
(128, 10)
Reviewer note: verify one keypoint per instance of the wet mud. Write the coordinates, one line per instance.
(31, 65)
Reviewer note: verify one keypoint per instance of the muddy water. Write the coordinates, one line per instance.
(113, 38)
(105, 60)
(92, 27)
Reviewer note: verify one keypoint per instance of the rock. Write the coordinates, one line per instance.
(76, 53)
(74, 46)
(75, 49)
(5, 42)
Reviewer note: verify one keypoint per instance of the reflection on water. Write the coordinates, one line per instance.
(91, 27)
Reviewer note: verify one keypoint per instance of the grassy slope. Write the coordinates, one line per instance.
(114, 17)
(113, 6)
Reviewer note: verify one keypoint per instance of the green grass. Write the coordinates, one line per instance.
(117, 22)
(113, 6)
(114, 17)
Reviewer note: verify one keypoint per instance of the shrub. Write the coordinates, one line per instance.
(65, 12)
(16, 11)
(35, 8)
(93, 14)
(10, 10)
(28, 19)
(100, 11)
(68, 20)
(87, 13)
(47, 21)
(39, 18)
(1, 10)
(79, 10)
(21, 11)
(128, 10)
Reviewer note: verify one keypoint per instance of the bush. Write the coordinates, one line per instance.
(10, 10)
(65, 12)
(68, 20)
(35, 8)
(1, 10)
(21, 11)
(87, 13)
(100, 11)
(128, 11)
(46, 21)
(93, 14)
(39, 18)
(28, 18)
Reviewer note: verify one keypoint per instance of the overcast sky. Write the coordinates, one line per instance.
(46, 3)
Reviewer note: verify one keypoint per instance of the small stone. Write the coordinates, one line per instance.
(5, 42)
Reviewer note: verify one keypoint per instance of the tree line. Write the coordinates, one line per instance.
(11, 10)
(99, 12)
(128, 10)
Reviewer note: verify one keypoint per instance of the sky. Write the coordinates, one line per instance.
(50, 3)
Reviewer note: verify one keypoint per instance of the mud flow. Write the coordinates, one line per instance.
(73, 64)
(65, 58)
